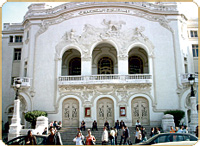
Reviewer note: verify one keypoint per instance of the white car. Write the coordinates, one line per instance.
(178, 143)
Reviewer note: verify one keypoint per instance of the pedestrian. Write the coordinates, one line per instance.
(55, 125)
(59, 125)
(122, 134)
(45, 132)
(112, 136)
(176, 129)
(185, 130)
(157, 130)
(117, 124)
(138, 135)
(30, 139)
(94, 125)
(6, 127)
(137, 124)
(152, 132)
(127, 136)
(82, 126)
(121, 124)
(116, 134)
(172, 130)
(106, 124)
(54, 138)
(90, 139)
(143, 132)
(196, 132)
(79, 139)
(104, 137)
(181, 130)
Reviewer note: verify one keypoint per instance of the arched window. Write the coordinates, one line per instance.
(105, 66)
(135, 65)
(75, 66)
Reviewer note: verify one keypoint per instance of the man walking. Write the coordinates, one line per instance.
(104, 137)
(122, 134)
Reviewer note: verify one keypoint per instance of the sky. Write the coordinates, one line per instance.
(13, 12)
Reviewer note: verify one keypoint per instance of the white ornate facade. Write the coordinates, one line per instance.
(99, 58)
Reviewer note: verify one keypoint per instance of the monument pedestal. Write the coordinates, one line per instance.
(15, 126)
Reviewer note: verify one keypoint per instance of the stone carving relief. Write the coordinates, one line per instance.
(109, 110)
(122, 93)
(110, 31)
(101, 110)
(74, 111)
(66, 111)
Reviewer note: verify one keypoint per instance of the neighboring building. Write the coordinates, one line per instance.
(100, 61)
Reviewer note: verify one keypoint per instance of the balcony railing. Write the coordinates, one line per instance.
(26, 82)
(184, 78)
(104, 79)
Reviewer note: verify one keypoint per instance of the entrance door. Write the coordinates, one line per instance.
(105, 111)
(70, 113)
(140, 111)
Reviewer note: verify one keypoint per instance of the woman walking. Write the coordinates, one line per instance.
(138, 135)
(30, 139)
(79, 139)
(90, 139)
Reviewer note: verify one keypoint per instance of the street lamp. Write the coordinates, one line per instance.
(191, 80)
(18, 83)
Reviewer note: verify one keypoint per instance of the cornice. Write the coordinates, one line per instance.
(70, 7)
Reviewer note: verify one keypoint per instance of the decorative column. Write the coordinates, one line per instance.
(15, 126)
(193, 115)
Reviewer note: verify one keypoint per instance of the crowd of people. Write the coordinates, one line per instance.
(109, 134)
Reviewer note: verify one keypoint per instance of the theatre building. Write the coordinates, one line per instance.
(100, 61)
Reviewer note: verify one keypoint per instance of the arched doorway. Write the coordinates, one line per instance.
(140, 110)
(105, 111)
(70, 113)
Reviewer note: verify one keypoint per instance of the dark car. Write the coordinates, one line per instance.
(169, 137)
(41, 140)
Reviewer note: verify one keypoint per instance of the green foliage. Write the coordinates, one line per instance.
(178, 115)
(32, 116)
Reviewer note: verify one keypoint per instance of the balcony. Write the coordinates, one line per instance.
(184, 78)
(26, 82)
(106, 79)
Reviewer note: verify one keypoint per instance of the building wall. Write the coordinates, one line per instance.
(162, 38)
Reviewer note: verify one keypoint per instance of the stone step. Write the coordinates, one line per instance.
(68, 134)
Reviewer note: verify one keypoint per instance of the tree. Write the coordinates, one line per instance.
(31, 116)
(178, 115)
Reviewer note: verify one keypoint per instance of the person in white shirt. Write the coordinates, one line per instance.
(138, 135)
(137, 124)
(112, 135)
(104, 137)
(78, 139)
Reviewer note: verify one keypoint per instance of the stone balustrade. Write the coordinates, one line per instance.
(99, 79)
(184, 78)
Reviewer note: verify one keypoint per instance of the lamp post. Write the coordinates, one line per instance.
(191, 80)
(16, 126)
(193, 116)
(17, 85)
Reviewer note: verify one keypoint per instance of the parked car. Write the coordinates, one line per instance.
(169, 137)
(191, 143)
(41, 140)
